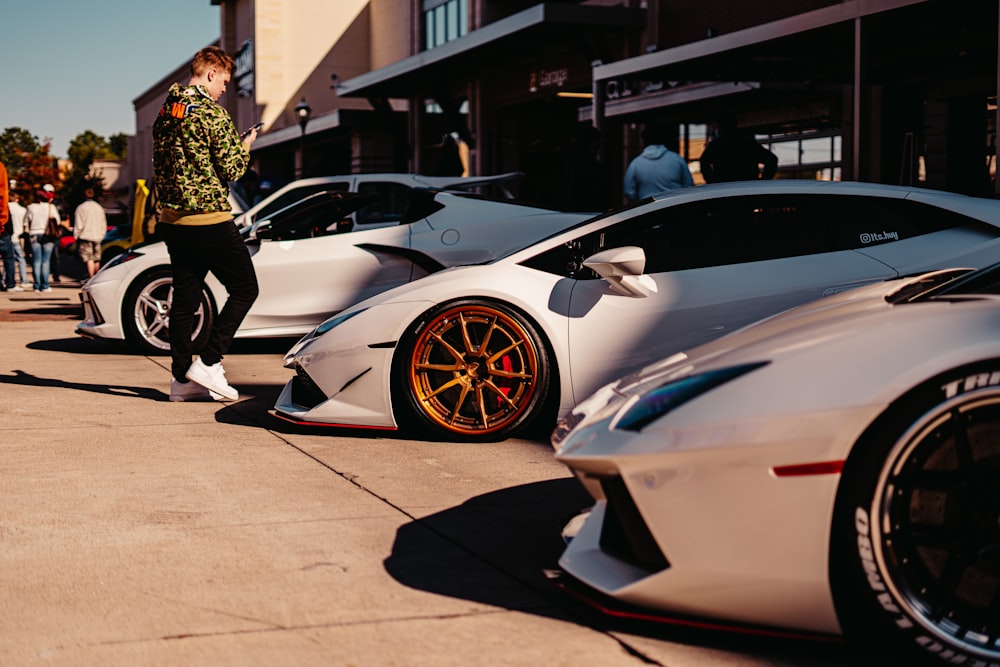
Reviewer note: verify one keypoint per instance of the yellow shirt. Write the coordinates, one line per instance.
(171, 216)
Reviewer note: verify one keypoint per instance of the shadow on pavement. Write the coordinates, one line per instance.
(26, 379)
(80, 345)
(516, 533)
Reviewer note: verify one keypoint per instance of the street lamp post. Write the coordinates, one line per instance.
(303, 111)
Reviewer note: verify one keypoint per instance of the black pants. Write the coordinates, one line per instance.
(194, 251)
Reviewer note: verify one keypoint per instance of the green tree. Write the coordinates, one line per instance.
(87, 147)
(118, 143)
(83, 150)
(29, 163)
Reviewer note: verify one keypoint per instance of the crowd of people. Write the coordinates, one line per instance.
(731, 154)
(33, 234)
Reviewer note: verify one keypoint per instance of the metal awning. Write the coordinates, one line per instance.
(518, 37)
(770, 48)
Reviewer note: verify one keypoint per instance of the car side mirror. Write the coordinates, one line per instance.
(262, 231)
(622, 268)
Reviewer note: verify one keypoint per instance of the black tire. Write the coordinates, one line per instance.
(146, 314)
(915, 555)
(472, 370)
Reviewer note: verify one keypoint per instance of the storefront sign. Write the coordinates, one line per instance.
(615, 89)
(543, 79)
(244, 69)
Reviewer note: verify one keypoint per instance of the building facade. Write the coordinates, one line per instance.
(891, 91)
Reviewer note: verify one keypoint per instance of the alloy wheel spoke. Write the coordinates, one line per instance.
(511, 375)
(481, 403)
(485, 344)
(445, 387)
(458, 404)
(456, 355)
(500, 394)
(454, 368)
(507, 350)
(149, 302)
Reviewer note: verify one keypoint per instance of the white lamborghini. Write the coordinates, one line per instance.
(834, 469)
(316, 256)
(482, 352)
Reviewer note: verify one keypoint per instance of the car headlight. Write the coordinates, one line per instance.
(121, 258)
(657, 402)
(336, 321)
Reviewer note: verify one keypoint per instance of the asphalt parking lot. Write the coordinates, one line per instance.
(135, 531)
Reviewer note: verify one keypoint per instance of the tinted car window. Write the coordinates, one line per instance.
(310, 221)
(703, 234)
(389, 204)
(861, 222)
(297, 194)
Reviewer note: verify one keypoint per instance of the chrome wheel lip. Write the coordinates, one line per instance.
(151, 314)
(473, 368)
(897, 552)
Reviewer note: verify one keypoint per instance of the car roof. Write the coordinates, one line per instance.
(977, 207)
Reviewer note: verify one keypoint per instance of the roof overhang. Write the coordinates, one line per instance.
(702, 56)
(336, 119)
(494, 45)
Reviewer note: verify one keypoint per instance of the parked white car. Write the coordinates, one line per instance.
(832, 470)
(313, 259)
(483, 352)
(389, 192)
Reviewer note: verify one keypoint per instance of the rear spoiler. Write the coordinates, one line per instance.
(470, 182)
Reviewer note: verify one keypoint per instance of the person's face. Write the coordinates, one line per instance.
(217, 81)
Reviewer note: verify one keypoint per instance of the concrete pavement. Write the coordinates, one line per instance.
(135, 531)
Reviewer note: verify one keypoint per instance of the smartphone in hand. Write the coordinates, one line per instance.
(255, 126)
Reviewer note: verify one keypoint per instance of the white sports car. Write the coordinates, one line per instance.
(482, 352)
(314, 258)
(834, 469)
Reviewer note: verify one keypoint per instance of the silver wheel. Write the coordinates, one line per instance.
(147, 314)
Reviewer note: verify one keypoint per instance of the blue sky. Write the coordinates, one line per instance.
(76, 66)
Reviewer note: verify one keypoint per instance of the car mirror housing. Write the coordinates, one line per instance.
(622, 269)
(262, 231)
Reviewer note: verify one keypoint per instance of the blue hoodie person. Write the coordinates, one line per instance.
(656, 169)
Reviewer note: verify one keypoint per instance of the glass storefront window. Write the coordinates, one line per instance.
(444, 21)
(808, 154)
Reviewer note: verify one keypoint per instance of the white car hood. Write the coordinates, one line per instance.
(850, 317)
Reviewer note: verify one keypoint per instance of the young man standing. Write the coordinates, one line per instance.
(196, 151)
(90, 224)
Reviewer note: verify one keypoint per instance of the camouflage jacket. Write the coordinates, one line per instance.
(196, 151)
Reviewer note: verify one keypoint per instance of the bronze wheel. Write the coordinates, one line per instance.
(475, 370)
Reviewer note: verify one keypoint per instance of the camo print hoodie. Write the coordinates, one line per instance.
(196, 151)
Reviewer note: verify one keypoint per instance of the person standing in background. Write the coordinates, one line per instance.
(17, 238)
(90, 224)
(4, 195)
(656, 169)
(196, 151)
(36, 218)
(6, 229)
(734, 155)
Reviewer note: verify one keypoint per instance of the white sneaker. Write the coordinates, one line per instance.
(212, 378)
(17, 288)
(190, 391)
